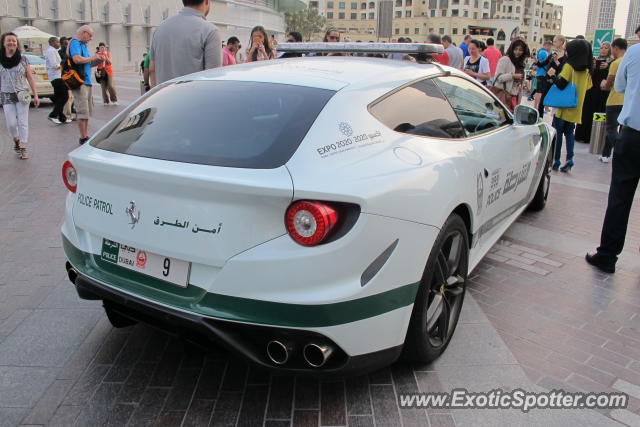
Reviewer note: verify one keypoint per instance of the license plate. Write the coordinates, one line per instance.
(170, 270)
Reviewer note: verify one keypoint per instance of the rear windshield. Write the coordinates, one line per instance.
(219, 123)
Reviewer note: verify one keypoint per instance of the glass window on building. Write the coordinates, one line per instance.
(464, 31)
(454, 31)
(363, 16)
(363, 5)
(433, 13)
(433, 4)
(354, 16)
(406, 31)
(342, 5)
(475, 15)
(329, 5)
(431, 30)
(485, 5)
(416, 31)
(475, 3)
(372, 15)
(444, 12)
(396, 31)
(407, 14)
(341, 15)
(465, 13)
(455, 12)
(441, 30)
(408, 3)
(329, 15)
(372, 5)
(398, 3)
(354, 5)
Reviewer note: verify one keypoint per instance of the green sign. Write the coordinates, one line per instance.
(601, 37)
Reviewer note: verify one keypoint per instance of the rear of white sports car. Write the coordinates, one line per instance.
(184, 213)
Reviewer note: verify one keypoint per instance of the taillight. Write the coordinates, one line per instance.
(309, 223)
(70, 176)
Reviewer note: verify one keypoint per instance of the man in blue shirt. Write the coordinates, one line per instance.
(625, 172)
(464, 46)
(542, 66)
(82, 58)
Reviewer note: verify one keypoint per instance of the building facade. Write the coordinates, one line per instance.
(633, 19)
(601, 15)
(127, 26)
(535, 20)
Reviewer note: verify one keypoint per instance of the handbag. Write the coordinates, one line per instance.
(24, 96)
(562, 98)
(501, 94)
(101, 75)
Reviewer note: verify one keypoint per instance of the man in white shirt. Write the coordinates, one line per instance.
(60, 91)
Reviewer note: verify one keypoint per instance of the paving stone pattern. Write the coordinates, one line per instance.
(536, 316)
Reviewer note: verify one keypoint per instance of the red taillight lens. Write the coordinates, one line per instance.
(70, 176)
(309, 223)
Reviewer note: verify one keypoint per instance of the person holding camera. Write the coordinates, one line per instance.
(104, 75)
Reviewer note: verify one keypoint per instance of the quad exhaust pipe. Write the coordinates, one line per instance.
(71, 273)
(279, 352)
(317, 355)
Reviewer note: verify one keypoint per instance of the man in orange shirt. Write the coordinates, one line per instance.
(106, 76)
(493, 55)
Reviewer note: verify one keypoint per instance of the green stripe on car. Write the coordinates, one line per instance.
(197, 300)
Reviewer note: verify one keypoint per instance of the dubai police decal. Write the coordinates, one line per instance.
(349, 141)
(480, 191)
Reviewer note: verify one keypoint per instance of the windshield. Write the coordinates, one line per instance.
(35, 60)
(219, 123)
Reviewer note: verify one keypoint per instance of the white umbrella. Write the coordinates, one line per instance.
(29, 33)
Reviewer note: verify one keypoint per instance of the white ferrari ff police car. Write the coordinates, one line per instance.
(314, 214)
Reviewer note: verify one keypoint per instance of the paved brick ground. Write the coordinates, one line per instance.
(564, 325)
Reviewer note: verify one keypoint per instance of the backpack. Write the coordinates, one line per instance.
(72, 74)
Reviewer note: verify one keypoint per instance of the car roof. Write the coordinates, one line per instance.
(324, 72)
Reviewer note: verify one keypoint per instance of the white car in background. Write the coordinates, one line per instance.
(310, 214)
(40, 75)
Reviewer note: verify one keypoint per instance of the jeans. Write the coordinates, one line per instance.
(624, 181)
(567, 129)
(613, 111)
(60, 97)
(17, 117)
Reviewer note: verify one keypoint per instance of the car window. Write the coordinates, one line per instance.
(478, 111)
(419, 109)
(35, 60)
(219, 123)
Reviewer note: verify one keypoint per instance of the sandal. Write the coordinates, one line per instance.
(16, 145)
(24, 154)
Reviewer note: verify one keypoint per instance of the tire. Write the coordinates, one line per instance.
(437, 306)
(539, 200)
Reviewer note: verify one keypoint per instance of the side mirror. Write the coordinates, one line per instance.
(524, 115)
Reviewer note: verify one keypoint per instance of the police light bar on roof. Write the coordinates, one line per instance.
(426, 48)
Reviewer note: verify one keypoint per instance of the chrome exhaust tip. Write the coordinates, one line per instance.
(279, 352)
(317, 355)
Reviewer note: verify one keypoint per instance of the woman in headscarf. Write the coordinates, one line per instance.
(510, 71)
(15, 80)
(575, 70)
(596, 98)
(260, 49)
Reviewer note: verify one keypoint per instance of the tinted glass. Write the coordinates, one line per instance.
(419, 109)
(219, 123)
(478, 111)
